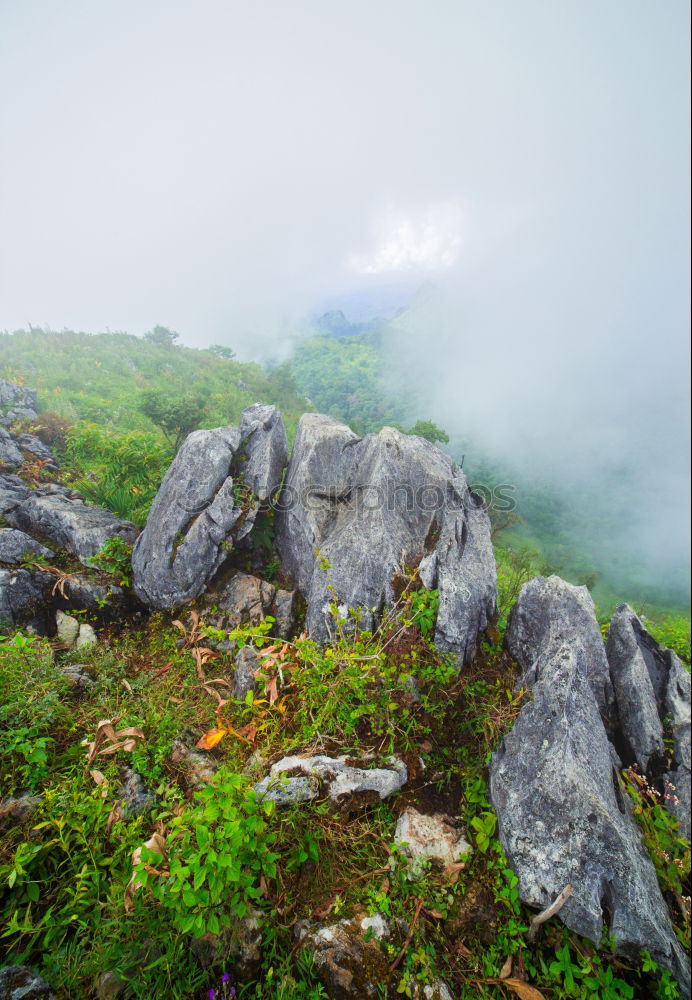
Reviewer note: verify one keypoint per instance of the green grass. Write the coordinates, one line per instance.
(63, 876)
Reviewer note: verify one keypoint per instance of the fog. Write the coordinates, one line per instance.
(225, 168)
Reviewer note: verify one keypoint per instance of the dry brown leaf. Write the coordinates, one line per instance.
(517, 986)
(462, 950)
(248, 732)
(98, 776)
(435, 913)
(157, 844)
(126, 684)
(506, 969)
(271, 690)
(451, 871)
(210, 739)
(114, 815)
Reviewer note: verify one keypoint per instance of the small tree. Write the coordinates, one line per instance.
(430, 431)
(227, 353)
(176, 416)
(162, 336)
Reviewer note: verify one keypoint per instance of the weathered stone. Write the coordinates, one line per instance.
(16, 545)
(554, 783)
(198, 768)
(17, 402)
(677, 708)
(34, 446)
(196, 518)
(67, 629)
(67, 522)
(78, 677)
(246, 663)
(371, 506)
(104, 601)
(351, 967)
(246, 600)
(651, 685)
(10, 455)
(25, 600)
(87, 636)
(134, 796)
(12, 492)
(18, 810)
(18, 982)
(307, 778)
(635, 667)
(433, 837)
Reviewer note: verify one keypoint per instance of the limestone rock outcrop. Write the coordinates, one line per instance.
(207, 502)
(355, 511)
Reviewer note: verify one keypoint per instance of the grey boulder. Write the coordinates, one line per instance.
(62, 518)
(15, 545)
(652, 685)
(25, 600)
(18, 982)
(300, 779)
(554, 783)
(355, 511)
(17, 402)
(10, 455)
(208, 500)
(245, 600)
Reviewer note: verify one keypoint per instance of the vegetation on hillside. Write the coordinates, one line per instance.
(86, 889)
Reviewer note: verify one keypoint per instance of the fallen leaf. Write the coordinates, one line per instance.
(210, 739)
(452, 870)
(126, 684)
(519, 988)
(270, 689)
(506, 969)
(157, 844)
(248, 732)
(435, 913)
(98, 776)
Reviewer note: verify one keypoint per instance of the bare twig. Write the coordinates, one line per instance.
(549, 912)
(409, 936)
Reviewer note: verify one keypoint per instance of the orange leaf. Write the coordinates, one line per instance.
(517, 986)
(210, 739)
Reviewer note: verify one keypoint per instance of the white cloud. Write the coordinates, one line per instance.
(427, 241)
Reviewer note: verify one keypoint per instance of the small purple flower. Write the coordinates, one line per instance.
(212, 994)
(225, 977)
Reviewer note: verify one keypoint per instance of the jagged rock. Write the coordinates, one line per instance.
(554, 783)
(677, 707)
(246, 663)
(651, 684)
(196, 517)
(10, 455)
(18, 982)
(12, 492)
(78, 677)
(25, 599)
(59, 516)
(17, 402)
(372, 505)
(108, 602)
(246, 600)
(134, 796)
(18, 810)
(307, 778)
(15, 545)
(198, 768)
(351, 967)
(242, 942)
(429, 837)
(35, 446)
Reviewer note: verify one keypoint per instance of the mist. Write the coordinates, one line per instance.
(224, 169)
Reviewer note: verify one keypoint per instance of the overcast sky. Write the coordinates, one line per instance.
(222, 167)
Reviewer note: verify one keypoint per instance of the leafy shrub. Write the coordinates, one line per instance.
(115, 557)
(218, 850)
